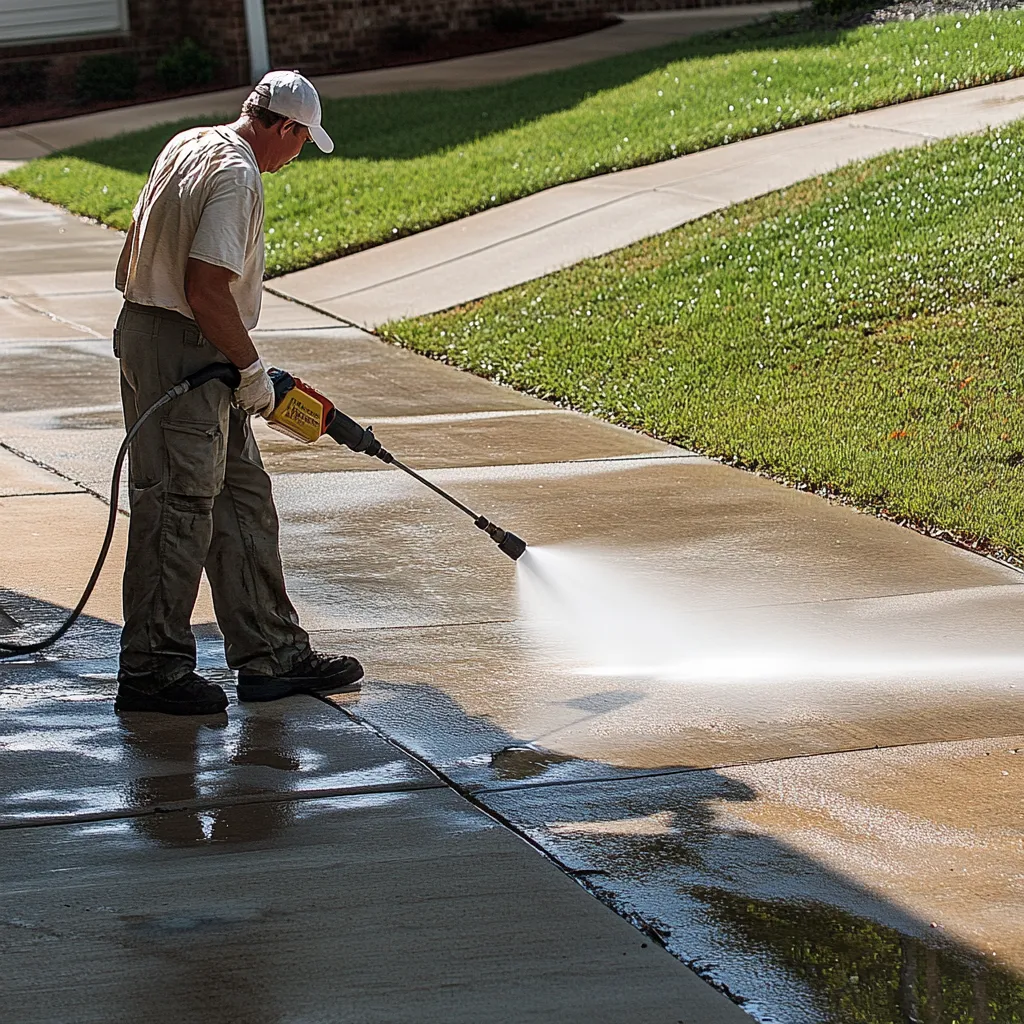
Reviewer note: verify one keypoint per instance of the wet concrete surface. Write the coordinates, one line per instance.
(497, 710)
(399, 907)
(57, 405)
(377, 549)
(879, 887)
(60, 742)
(458, 440)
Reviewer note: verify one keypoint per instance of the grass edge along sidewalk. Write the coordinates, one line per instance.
(860, 334)
(410, 161)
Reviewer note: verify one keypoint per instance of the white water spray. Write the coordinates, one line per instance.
(597, 618)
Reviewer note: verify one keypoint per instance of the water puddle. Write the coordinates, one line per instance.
(832, 966)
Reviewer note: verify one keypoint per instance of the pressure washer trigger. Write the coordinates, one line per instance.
(283, 382)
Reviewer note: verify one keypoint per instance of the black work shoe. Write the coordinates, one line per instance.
(317, 674)
(191, 695)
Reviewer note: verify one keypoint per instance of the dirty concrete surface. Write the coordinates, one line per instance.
(830, 841)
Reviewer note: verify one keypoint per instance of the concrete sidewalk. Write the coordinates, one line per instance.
(520, 241)
(285, 863)
(637, 31)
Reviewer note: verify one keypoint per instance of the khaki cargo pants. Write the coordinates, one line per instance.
(200, 499)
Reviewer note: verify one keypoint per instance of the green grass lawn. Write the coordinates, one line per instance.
(412, 161)
(861, 334)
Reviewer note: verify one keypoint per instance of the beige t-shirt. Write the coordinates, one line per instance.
(204, 199)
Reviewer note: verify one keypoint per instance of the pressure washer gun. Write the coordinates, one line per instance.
(305, 415)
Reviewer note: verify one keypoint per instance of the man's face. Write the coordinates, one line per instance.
(288, 139)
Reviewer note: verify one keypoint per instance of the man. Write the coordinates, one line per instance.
(192, 271)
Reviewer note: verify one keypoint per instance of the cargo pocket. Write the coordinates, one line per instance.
(195, 458)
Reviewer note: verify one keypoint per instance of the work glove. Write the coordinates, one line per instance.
(255, 393)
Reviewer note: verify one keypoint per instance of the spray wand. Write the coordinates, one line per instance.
(305, 415)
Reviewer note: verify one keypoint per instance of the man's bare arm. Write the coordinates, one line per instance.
(208, 292)
(121, 274)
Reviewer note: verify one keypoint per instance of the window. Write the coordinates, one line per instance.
(40, 21)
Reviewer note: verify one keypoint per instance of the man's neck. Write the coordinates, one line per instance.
(243, 127)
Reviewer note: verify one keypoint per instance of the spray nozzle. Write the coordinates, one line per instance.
(508, 543)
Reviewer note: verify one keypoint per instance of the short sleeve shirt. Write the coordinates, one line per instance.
(204, 200)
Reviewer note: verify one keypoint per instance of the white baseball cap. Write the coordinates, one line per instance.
(292, 95)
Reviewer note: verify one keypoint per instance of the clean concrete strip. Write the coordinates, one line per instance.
(636, 32)
(520, 241)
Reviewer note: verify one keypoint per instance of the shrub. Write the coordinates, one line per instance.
(107, 76)
(514, 19)
(186, 64)
(401, 37)
(24, 81)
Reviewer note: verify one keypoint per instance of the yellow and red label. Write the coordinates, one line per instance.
(301, 414)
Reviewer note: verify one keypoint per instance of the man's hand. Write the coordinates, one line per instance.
(255, 394)
(208, 291)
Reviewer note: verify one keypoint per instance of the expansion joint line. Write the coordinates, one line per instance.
(580, 877)
(313, 307)
(82, 487)
(32, 138)
(21, 301)
(660, 773)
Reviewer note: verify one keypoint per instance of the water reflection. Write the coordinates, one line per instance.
(863, 971)
(154, 741)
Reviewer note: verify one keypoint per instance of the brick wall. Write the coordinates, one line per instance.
(217, 25)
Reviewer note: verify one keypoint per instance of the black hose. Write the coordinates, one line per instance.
(215, 371)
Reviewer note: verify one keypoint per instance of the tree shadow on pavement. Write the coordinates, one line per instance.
(784, 934)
